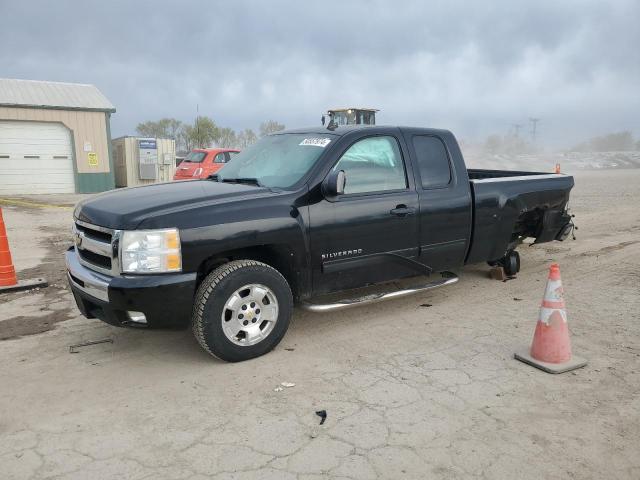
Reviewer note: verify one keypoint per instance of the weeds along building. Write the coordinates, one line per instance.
(54, 138)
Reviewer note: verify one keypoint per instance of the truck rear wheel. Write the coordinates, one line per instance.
(512, 263)
(242, 310)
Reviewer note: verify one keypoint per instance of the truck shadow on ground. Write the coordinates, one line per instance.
(306, 331)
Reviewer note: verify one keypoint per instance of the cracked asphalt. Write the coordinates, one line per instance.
(410, 391)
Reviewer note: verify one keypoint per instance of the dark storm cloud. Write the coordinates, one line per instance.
(474, 68)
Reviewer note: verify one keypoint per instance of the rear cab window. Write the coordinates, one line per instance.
(433, 161)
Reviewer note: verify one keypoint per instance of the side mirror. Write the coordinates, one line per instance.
(334, 184)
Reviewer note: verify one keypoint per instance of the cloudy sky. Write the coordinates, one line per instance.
(473, 67)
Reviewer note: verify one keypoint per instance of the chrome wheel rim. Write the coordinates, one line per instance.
(249, 314)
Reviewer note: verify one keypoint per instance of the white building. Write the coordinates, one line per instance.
(54, 138)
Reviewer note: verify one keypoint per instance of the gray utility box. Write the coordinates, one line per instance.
(126, 151)
(148, 158)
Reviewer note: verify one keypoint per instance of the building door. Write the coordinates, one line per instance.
(35, 157)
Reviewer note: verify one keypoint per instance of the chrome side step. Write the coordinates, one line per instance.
(447, 279)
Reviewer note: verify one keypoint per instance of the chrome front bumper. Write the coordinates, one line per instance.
(165, 300)
(92, 283)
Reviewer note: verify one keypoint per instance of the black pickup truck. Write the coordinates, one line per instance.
(300, 215)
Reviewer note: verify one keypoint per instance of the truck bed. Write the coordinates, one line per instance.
(479, 174)
(509, 206)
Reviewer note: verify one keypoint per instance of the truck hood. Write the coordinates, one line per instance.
(126, 208)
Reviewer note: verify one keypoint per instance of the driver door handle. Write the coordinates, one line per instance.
(402, 211)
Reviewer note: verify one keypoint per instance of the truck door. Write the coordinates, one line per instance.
(370, 233)
(445, 200)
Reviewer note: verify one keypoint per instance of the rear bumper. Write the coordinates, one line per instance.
(165, 300)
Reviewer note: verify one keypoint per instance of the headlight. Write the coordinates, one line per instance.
(151, 251)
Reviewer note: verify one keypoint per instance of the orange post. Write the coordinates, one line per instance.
(7, 272)
(551, 347)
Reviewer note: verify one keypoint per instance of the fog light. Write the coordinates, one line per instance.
(137, 317)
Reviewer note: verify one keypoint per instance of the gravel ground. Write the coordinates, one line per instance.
(422, 387)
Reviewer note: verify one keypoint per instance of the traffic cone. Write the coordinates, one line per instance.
(7, 272)
(551, 347)
(8, 279)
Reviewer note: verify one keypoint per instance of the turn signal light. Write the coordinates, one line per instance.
(171, 240)
(173, 262)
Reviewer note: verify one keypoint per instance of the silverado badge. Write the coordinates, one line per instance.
(343, 253)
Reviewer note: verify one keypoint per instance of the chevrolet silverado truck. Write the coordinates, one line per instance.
(299, 217)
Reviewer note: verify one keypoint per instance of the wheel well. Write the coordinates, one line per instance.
(277, 256)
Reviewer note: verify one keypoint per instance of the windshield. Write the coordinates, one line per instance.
(277, 160)
(195, 157)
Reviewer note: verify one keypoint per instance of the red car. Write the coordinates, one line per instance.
(202, 162)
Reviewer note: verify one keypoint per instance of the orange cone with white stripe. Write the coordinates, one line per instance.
(7, 272)
(551, 339)
(551, 346)
(8, 280)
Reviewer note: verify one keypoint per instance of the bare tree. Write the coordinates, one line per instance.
(246, 137)
(157, 129)
(173, 128)
(202, 134)
(270, 126)
(227, 138)
(163, 128)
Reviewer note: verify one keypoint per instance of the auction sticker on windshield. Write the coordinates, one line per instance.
(316, 142)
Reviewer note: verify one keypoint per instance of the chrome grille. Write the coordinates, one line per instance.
(96, 247)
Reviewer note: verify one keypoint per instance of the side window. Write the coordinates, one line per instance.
(373, 164)
(433, 161)
(220, 158)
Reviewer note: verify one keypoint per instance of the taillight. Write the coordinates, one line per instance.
(197, 172)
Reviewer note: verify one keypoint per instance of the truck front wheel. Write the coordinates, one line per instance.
(242, 310)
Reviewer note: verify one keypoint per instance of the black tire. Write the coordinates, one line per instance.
(511, 263)
(210, 300)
